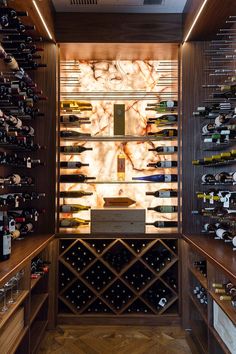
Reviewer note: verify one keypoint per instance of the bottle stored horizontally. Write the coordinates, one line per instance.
(76, 105)
(72, 164)
(121, 164)
(167, 119)
(75, 194)
(162, 106)
(157, 178)
(73, 208)
(72, 134)
(164, 193)
(163, 164)
(74, 149)
(72, 118)
(165, 149)
(165, 133)
(75, 178)
(73, 222)
(165, 209)
(163, 224)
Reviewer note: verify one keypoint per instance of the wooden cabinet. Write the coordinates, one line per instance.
(23, 323)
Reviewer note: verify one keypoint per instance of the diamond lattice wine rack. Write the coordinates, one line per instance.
(118, 276)
(118, 126)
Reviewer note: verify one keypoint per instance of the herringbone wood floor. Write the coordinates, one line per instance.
(114, 340)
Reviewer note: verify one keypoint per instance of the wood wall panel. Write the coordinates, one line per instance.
(118, 28)
(193, 62)
(45, 135)
(212, 18)
(46, 9)
(119, 51)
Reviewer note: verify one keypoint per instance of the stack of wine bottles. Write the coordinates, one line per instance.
(200, 294)
(226, 292)
(110, 279)
(39, 267)
(219, 133)
(19, 96)
(201, 267)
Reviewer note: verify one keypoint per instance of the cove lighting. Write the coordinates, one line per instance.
(42, 19)
(195, 20)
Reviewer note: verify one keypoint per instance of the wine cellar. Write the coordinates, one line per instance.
(117, 159)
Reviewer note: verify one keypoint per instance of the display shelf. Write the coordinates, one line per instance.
(226, 306)
(37, 301)
(202, 280)
(36, 334)
(199, 308)
(19, 339)
(121, 138)
(13, 307)
(34, 282)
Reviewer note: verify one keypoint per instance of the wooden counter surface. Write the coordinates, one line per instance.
(22, 252)
(216, 251)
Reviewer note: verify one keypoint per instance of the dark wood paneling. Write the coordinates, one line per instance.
(119, 51)
(118, 28)
(45, 131)
(212, 18)
(22, 252)
(47, 10)
(193, 77)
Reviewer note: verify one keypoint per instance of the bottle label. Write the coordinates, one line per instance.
(65, 119)
(167, 178)
(220, 233)
(166, 164)
(71, 164)
(66, 208)
(6, 245)
(169, 149)
(165, 194)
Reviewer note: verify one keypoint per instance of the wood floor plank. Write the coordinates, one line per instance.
(115, 340)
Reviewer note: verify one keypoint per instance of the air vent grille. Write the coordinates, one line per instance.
(153, 2)
(83, 2)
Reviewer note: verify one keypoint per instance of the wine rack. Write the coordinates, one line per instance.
(117, 277)
(113, 133)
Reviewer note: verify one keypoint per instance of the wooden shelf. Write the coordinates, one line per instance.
(226, 306)
(19, 339)
(218, 253)
(202, 280)
(36, 333)
(37, 301)
(22, 252)
(34, 282)
(13, 307)
(199, 308)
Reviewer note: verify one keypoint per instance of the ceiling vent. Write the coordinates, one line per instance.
(116, 2)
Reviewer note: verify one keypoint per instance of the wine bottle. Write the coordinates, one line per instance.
(163, 164)
(76, 105)
(73, 222)
(72, 164)
(165, 209)
(74, 149)
(165, 119)
(164, 193)
(73, 208)
(162, 224)
(74, 194)
(75, 178)
(72, 118)
(72, 134)
(121, 164)
(165, 149)
(5, 244)
(157, 178)
(162, 106)
(165, 133)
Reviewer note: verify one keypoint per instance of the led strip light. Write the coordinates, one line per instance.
(195, 20)
(42, 19)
